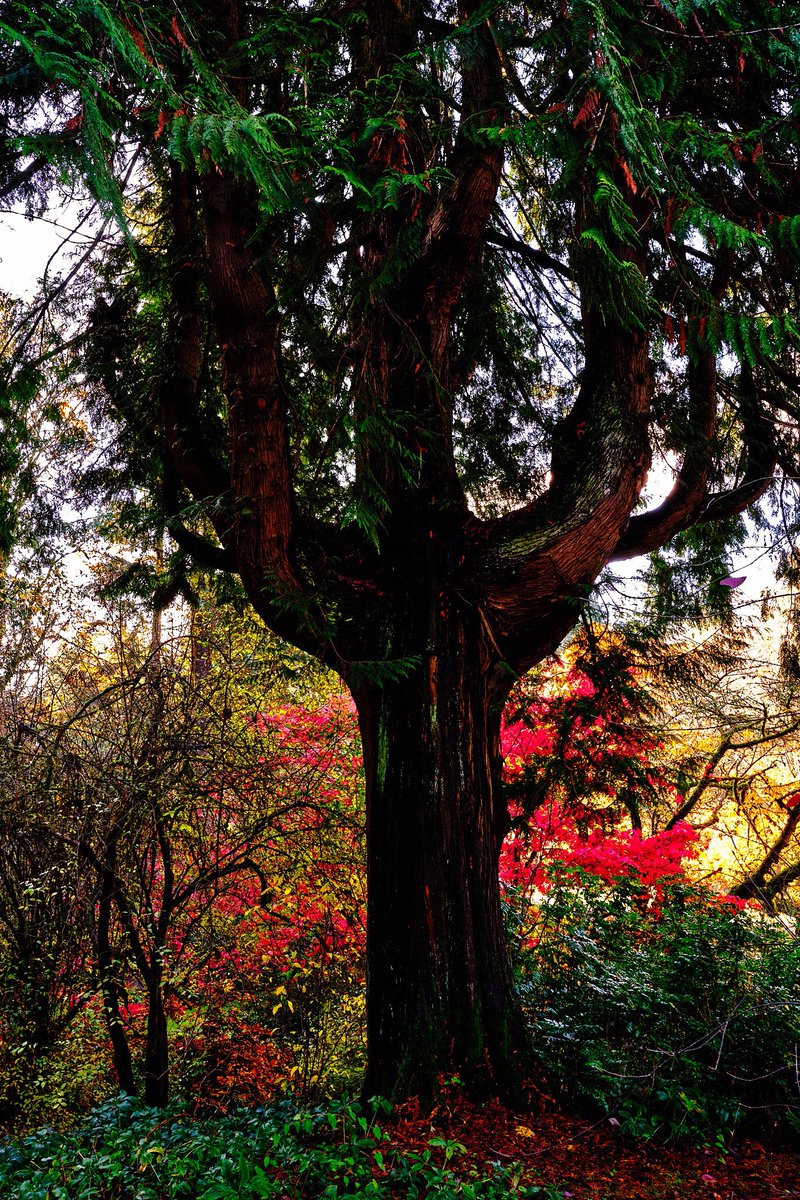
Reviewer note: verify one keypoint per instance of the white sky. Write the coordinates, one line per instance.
(28, 246)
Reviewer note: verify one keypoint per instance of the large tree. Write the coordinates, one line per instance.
(407, 293)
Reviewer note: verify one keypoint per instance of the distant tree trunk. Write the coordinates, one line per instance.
(156, 1059)
(200, 644)
(439, 983)
(110, 989)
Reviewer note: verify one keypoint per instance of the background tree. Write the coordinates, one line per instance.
(45, 950)
(731, 745)
(169, 797)
(45, 955)
(406, 298)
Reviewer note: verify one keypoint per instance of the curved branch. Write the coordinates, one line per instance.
(650, 530)
(694, 797)
(689, 493)
(533, 567)
(204, 552)
(757, 885)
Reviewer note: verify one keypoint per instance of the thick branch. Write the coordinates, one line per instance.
(456, 227)
(535, 565)
(685, 501)
(756, 885)
(21, 176)
(532, 254)
(773, 887)
(650, 530)
(199, 548)
(200, 471)
(245, 315)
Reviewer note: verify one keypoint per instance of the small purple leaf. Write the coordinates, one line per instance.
(732, 581)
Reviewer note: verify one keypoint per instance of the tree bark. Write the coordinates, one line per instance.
(440, 996)
(110, 988)
(156, 1056)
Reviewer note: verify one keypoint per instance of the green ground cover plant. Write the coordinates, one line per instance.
(127, 1151)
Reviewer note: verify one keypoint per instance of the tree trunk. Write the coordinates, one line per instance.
(109, 969)
(156, 1055)
(439, 983)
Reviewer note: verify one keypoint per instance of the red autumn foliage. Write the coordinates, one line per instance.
(578, 758)
(267, 970)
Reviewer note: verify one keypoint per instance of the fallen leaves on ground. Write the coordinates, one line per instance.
(592, 1161)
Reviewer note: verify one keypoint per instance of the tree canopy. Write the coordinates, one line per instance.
(506, 208)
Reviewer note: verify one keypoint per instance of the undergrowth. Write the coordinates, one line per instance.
(126, 1151)
(671, 1012)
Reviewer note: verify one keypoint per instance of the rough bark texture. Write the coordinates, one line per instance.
(156, 1057)
(439, 993)
(111, 991)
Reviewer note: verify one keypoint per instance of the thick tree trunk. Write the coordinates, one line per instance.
(440, 992)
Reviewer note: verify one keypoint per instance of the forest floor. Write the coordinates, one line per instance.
(586, 1161)
(458, 1150)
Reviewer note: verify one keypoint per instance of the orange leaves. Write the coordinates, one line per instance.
(137, 37)
(670, 215)
(669, 332)
(389, 149)
(178, 36)
(628, 177)
(164, 119)
(746, 156)
(588, 111)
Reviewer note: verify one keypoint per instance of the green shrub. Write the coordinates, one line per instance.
(670, 1011)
